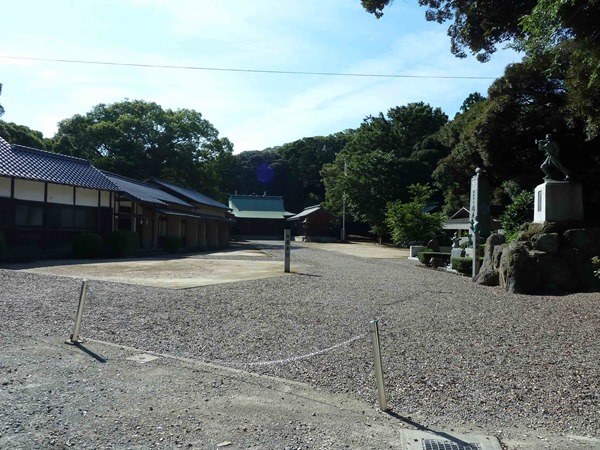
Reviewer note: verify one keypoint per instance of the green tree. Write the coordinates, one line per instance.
(22, 135)
(408, 222)
(1, 107)
(141, 139)
(532, 25)
(383, 156)
(517, 213)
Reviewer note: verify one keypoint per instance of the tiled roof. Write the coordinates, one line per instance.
(258, 207)
(310, 210)
(144, 192)
(38, 165)
(189, 194)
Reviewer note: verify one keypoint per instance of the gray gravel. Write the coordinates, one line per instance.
(453, 351)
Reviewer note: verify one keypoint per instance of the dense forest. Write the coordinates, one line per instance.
(554, 89)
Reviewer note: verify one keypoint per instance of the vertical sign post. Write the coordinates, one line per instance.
(287, 235)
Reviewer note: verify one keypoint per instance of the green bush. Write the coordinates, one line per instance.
(426, 257)
(520, 211)
(171, 244)
(87, 245)
(124, 243)
(464, 265)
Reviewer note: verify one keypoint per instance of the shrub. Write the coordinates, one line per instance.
(426, 257)
(124, 242)
(464, 265)
(520, 211)
(171, 244)
(87, 245)
(596, 269)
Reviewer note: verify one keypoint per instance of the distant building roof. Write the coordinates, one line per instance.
(188, 194)
(310, 210)
(144, 192)
(39, 165)
(258, 207)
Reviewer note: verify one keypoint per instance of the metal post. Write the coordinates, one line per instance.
(343, 236)
(378, 366)
(344, 219)
(286, 242)
(75, 338)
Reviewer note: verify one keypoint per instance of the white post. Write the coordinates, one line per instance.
(286, 243)
(378, 366)
(75, 338)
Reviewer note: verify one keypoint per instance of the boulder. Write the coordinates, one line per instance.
(547, 242)
(519, 270)
(585, 239)
(488, 274)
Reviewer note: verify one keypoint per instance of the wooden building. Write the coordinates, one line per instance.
(259, 217)
(47, 198)
(315, 224)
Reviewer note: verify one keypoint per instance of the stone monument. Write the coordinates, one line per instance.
(479, 214)
(558, 199)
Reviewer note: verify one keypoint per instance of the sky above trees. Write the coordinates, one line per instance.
(254, 110)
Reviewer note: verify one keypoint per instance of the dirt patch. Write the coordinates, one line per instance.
(166, 273)
(363, 249)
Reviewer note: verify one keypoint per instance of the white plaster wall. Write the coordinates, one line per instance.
(29, 190)
(58, 193)
(86, 197)
(4, 187)
(105, 198)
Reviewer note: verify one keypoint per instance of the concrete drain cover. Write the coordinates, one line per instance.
(430, 440)
(142, 358)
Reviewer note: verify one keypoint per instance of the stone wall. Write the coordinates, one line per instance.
(545, 258)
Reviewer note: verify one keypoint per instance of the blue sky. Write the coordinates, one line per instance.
(254, 110)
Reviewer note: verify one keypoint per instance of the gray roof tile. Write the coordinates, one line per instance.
(38, 165)
(144, 192)
(189, 194)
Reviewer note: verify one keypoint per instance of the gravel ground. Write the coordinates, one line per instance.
(453, 351)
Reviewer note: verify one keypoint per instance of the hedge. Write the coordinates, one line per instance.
(87, 245)
(124, 242)
(2, 244)
(171, 244)
(464, 265)
(426, 257)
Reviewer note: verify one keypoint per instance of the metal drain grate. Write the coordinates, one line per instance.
(433, 444)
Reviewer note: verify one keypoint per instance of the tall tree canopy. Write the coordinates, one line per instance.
(141, 139)
(478, 26)
(386, 154)
(22, 135)
(291, 170)
(1, 107)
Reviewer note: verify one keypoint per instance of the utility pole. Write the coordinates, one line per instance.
(344, 204)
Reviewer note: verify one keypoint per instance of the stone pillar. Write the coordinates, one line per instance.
(558, 201)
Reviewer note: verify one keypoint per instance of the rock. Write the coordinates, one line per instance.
(547, 242)
(519, 270)
(585, 239)
(488, 274)
(554, 272)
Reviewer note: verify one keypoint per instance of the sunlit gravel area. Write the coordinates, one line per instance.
(453, 351)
